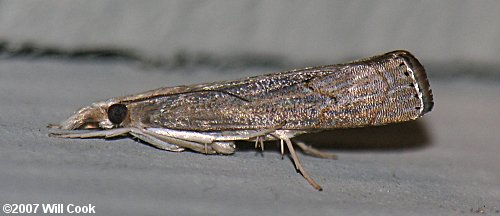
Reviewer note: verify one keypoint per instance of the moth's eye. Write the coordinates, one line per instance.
(117, 113)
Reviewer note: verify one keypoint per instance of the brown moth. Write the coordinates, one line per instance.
(208, 118)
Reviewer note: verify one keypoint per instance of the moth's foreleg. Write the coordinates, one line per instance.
(204, 148)
(75, 134)
(197, 141)
(160, 144)
(224, 147)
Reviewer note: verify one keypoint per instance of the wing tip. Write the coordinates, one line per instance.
(420, 77)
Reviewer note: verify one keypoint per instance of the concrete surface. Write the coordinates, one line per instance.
(318, 30)
(446, 163)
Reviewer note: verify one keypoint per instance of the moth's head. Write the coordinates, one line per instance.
(105, 115)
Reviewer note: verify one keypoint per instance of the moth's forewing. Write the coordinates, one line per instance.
(253, 103)
(380, 90)
(388, 88)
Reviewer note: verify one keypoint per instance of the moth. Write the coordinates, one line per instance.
(208, 118)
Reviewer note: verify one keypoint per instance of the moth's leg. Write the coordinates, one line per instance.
(74, 134)
(282, 148)
(204, 148)
(160, 144)
(259, 141)
(260, 133)
(198, 137)
(113, 133)
(315, 152)
(296, 160)
(202, 142)
(224, 147)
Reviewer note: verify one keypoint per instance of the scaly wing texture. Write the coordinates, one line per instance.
(388, 88)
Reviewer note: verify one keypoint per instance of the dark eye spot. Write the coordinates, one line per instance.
(117, 113)
(406, 73)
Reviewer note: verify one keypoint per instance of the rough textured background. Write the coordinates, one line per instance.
(461, 34)
(443, 164)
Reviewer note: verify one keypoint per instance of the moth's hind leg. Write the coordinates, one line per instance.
(283, 136)
(315, 152)
(249, 134)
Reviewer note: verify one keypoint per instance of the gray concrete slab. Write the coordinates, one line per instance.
(443, 164)
(319, 30)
